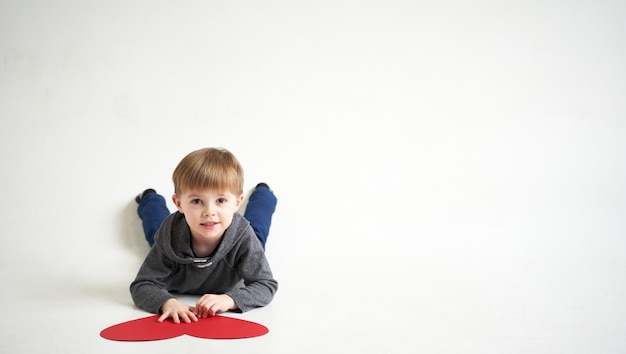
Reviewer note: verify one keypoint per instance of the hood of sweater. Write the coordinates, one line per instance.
(174, 240)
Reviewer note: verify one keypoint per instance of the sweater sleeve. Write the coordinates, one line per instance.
(259, 286)
(148, 289)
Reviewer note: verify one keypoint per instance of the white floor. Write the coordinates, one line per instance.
(450, 175)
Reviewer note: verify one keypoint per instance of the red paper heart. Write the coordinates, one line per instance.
(216, 327)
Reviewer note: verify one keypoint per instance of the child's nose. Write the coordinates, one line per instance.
(208, 211)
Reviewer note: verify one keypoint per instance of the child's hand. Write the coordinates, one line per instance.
(177, 311)
(211, 304)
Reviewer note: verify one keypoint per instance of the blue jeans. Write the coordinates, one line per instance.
(261, 206)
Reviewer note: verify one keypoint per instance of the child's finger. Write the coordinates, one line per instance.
(204, 313)
(185, 317)
(202, 308)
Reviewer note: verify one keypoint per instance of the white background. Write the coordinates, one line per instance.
(450, 174)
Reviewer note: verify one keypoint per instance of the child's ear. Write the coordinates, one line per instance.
(239, 200)
(177, 203)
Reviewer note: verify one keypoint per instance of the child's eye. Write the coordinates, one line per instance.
(196, 201)
(221, 201)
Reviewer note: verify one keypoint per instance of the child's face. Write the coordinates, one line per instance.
(208, 213)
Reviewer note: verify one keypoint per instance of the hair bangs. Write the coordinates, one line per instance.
(211, 168)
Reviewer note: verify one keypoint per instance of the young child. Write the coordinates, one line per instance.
(205, 248)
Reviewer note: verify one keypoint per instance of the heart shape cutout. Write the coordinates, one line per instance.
(215, 327)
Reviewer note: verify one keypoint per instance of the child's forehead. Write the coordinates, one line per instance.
(206, 191)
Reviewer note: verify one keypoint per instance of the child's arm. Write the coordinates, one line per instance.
(148, 289)
(259, 285)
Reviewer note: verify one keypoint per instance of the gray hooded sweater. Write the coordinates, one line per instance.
(238, 267)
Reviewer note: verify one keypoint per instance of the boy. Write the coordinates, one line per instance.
(205, 248)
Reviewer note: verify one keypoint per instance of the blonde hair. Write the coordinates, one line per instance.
(209, 168)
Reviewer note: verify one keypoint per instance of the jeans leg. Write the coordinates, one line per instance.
(152, 210)
(259, 211)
